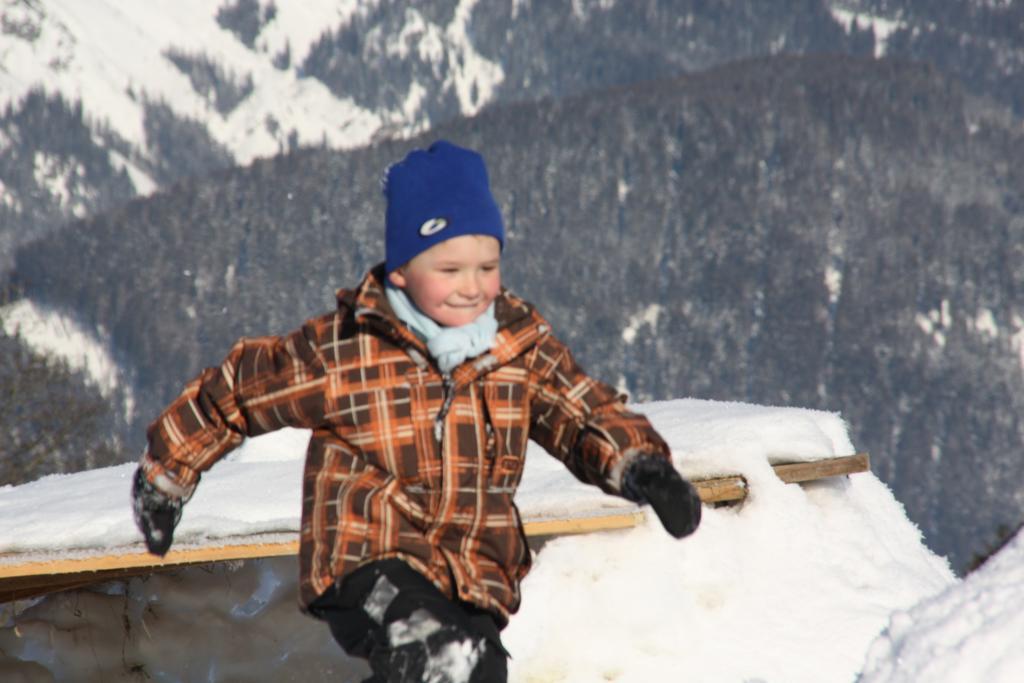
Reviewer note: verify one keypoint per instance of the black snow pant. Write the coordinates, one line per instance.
(391, 615)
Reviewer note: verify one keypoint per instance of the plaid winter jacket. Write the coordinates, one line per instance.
(404, 462)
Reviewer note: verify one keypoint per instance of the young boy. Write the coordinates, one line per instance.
(421, 391)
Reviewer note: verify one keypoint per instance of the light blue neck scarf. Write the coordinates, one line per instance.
(448, 345)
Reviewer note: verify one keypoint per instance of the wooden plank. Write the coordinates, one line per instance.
(721, 490)
(794, 473)
(38, 577)
(140, 559)
(734, 489)
(583, 525)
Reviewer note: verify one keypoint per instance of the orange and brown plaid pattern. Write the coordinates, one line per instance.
(404, 462)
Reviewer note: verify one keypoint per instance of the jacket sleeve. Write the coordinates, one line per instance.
(263, 384)
(584, 422)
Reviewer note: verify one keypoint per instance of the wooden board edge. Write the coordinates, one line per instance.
(140, 562)
(721, 489)
(144, 560)
(39, 578)
(798, 472)
(583, 525)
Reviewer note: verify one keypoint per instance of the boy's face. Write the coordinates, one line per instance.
(454, 281)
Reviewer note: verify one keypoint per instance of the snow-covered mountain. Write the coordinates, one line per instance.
(232, 67)
(234, 80)
(162, 91)
(108, 99)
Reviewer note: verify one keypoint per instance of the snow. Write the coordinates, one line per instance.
(1017, 340)
(799, 583)
(985, 323)
(475, 78)
(936, 323)
(833, 283)
(961, 634)
(56, 177)
(882, 27)
(8, 199)
(649, 316)
(297, 25)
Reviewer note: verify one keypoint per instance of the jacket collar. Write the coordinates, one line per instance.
(519, 324)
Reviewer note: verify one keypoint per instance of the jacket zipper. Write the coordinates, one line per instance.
(448, 396)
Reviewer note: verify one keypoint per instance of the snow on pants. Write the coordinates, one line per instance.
(410, 632)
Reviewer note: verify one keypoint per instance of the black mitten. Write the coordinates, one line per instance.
(652, 479)
(156, 514)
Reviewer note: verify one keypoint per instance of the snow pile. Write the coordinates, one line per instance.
(793, 585)
(972, 631)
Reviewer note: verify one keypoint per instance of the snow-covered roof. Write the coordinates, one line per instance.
(799, 583)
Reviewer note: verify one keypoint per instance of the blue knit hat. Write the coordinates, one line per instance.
(435, 195)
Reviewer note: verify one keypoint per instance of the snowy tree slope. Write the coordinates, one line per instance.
(58, 336)
(794, 585)
(114, 55)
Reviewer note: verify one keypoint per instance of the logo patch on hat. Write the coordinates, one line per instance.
(433, 226)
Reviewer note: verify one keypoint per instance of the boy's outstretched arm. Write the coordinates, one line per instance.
(586, 424)
(263, 384)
